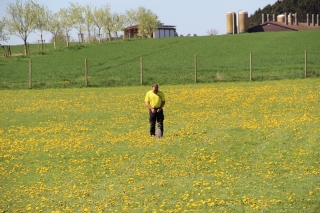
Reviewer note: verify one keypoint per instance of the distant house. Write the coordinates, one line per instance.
(165, 31)
(130, 32)
(281, 26)
(161, 32)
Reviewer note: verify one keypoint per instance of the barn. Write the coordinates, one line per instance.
(286, 23)
(161, 32)
(280, 26)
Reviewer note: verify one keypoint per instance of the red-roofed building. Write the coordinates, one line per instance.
(281, 26)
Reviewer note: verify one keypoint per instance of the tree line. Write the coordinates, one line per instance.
(23, 18)
(301, 7)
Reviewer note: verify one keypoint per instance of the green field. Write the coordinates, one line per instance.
(228, 147)
(170, 61)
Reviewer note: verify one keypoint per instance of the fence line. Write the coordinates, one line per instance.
(250, 66)
(195, 69)
(305, 64)
(86, 71)
(141, 71)
(30, 74)
(196, 74)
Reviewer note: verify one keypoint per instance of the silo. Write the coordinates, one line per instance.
(281, 18)
(290, 20)
(231, 23)
(243, 21)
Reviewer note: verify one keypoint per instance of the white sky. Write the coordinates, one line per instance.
(189, 16)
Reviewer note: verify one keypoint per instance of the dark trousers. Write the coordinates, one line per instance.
(156, 117)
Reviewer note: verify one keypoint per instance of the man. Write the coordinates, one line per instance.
(155, 101)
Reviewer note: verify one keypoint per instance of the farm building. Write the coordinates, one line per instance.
(165, 31)
(286, 23)
(161, 32)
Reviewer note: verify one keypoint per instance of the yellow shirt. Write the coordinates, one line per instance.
(154, 99)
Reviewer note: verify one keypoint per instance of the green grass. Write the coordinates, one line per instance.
(166, 61)
(228, 147)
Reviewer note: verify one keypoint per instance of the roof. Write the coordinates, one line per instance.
(134, 27)
(167, 26)
(281, 26)
(131, 27)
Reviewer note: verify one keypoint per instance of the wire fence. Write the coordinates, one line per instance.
(197, 69)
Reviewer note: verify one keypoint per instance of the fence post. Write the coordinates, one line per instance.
(195, 68)
(9, 50)
(30, 74)
(141, 70)
(305, 64)
(86, 71)
(28, 49)
(250, 66)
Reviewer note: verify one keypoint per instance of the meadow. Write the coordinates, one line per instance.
(170, 61)
(227, 147)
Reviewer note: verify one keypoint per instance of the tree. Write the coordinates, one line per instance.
(131, 18)
(287, 6)
(66, 23)
(119, 23)
(20, 19)
(277, 8)
(59, 37)
(77, 18)
(54, 26)
(99, 18)
(147, 22)
(212, 32)
(109, 22)
(89, 20)
(43, 17)
(3, 36)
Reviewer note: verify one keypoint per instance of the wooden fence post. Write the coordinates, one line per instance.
(30, 74)
(305, 64)
(250, 66)
(9, 50)
(141, 71)
(86, 71)
(28, 49)
(195, 68)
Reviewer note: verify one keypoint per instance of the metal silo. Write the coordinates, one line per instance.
(231, 23)
(281, 18)
(243, 21)
(290, 19)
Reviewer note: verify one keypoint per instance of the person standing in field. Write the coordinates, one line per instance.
(155, 101)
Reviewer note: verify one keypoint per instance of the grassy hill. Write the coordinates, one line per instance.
(278, 55)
